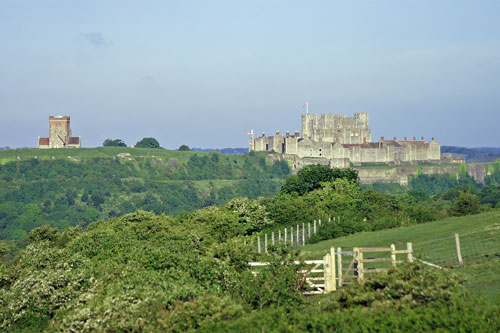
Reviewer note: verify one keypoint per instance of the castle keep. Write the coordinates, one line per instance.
(340, 141)
(59, 134)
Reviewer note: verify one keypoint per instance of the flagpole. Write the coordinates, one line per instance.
(307, 107)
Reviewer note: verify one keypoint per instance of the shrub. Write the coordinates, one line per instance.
(148, 143)
(466, 203)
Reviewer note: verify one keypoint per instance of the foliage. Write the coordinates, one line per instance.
(64, 193)
(148, 272)
(137, 272)
(184, 148)
(147, 143)
(409, 298)
(310, 178)
(114, 143)
(466, 203)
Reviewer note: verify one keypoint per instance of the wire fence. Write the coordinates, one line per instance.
(298, 235)
(464, 249)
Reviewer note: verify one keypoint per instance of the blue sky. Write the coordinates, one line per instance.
(203, 73)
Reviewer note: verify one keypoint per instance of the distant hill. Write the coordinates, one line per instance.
(69, 187)
(482, 154)
(227, 151)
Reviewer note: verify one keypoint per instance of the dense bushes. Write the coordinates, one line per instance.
(118, 273)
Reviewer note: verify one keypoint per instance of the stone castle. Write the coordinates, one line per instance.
(59, 135)
(340, 141)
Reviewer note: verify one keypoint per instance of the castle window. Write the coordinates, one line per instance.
(320, 154)
(320, 149)
(267, 146)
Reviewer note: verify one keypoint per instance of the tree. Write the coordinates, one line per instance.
(148, 143)
(311, 177)
(184, 148)
(466, 203)
(114, 143)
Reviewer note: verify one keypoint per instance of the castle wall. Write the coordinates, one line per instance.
(400, 175)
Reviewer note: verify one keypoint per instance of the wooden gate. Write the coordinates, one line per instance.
(349, 274)
(340, 267)
(313, 273)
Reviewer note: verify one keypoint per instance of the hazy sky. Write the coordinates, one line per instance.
(203, 73)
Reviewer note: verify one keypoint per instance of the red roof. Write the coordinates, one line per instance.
(74, 140)
(43, 141)
(362, 145)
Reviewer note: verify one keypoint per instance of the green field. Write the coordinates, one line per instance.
(89, 153)
(435, 242)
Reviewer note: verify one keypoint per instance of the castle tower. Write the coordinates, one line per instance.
(309, 123)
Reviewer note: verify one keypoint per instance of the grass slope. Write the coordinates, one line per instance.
(89, 153)
(434, 241)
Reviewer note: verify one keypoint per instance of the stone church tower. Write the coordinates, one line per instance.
(59, 134)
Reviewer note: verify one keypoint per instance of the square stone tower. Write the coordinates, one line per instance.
(59, 131)
(59, 134)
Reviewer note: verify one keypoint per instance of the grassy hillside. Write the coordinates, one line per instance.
(435, 242)
(89, 153)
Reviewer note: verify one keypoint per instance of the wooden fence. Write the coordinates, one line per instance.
(298, 235)
(340, 267)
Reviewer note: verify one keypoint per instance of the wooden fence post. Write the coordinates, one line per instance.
(303, 234)
(272, 238)
(333, 271)
(319, 222)
(291, 235)
(359, 260)
(298, 243)
(409, 247)
(393, 255)
(339, 265)
(459, 252)
(330, 219)
(265, 243)
(279, 236)
(285, 237)
(326, 272)
(258, 244)
(314, 227)
(309, 230)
